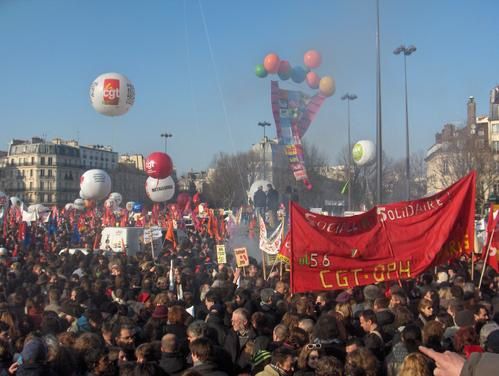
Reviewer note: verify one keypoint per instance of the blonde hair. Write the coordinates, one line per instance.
(344, 309)
(414, 365)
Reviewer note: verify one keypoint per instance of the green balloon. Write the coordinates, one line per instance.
(260, 71)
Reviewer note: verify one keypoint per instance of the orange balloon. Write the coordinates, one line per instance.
(312, 59)
(271, 63)
(327, 86)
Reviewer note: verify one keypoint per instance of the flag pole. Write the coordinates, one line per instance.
(486, 258)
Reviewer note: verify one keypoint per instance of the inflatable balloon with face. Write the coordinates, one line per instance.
(160, 190)
(116, 197)
(110, 204)
(158, 165)
(364, 152)
(112, 94)
(95, 184)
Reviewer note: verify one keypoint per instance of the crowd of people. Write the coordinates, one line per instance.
(182, 314)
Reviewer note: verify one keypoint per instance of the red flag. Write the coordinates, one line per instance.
(388, 243)
(124, 218)
(170, 234)
(492, 243)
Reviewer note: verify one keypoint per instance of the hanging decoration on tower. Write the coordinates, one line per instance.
(294, 110)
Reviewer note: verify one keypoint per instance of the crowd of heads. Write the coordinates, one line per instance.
(182, 314)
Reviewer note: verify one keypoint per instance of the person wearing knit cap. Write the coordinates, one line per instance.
(492, 343)
(33, 358)
(260, 360)
(486, 330)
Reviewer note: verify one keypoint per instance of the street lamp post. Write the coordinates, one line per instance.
(379, 128)
(349, 97)
(166, 136)
(264, 124)
(406, 51)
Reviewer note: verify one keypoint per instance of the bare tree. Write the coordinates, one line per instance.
(457, 157)
(229, 183)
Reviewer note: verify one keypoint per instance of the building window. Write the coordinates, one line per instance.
(495, 128)
(30, 185)
(42, 186)
(32, 160)
(50, 161)
(30, 173)
(49, 173)
(481, 132)
(42, 172)
(480, 144)
(42, 161)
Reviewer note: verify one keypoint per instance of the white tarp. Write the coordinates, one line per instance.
(115, 238)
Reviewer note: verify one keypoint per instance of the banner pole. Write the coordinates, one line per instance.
(264, 266)
(486, 258)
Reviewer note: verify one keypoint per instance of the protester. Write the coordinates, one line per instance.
(111, 313)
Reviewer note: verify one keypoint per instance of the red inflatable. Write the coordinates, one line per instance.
(159, 165)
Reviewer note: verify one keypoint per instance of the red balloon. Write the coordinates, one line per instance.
(158, 165)
(271, 63)
(312, 59)
(284, 67)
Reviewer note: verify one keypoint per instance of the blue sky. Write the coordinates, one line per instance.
(198, 83)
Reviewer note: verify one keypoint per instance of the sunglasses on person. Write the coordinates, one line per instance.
(314, 346)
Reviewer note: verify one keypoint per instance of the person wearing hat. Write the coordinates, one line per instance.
(492, 342)
(281, 363)
(155, 327)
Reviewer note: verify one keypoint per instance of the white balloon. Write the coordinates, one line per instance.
(116, 197)
(160, 190)
(79, 202)
(255, 185)
(15, 201)
(83, 196)
(112, 94)
(95, 184)
(129, 205)
(69, 206)
(364, 152)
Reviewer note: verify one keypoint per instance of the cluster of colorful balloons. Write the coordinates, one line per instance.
(312, 59)
(160, 186)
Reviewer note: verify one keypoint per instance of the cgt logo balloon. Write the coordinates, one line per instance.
(112, 94)
(158, 165)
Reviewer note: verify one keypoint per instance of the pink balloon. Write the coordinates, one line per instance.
(312, 59)
(271, 63)
(313, 80)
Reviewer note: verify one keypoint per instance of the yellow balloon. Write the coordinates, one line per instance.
(327, 86)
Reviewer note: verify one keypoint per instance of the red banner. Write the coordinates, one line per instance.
(391, 242)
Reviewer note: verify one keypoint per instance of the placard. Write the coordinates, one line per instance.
(221, 255)
(241, 255)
